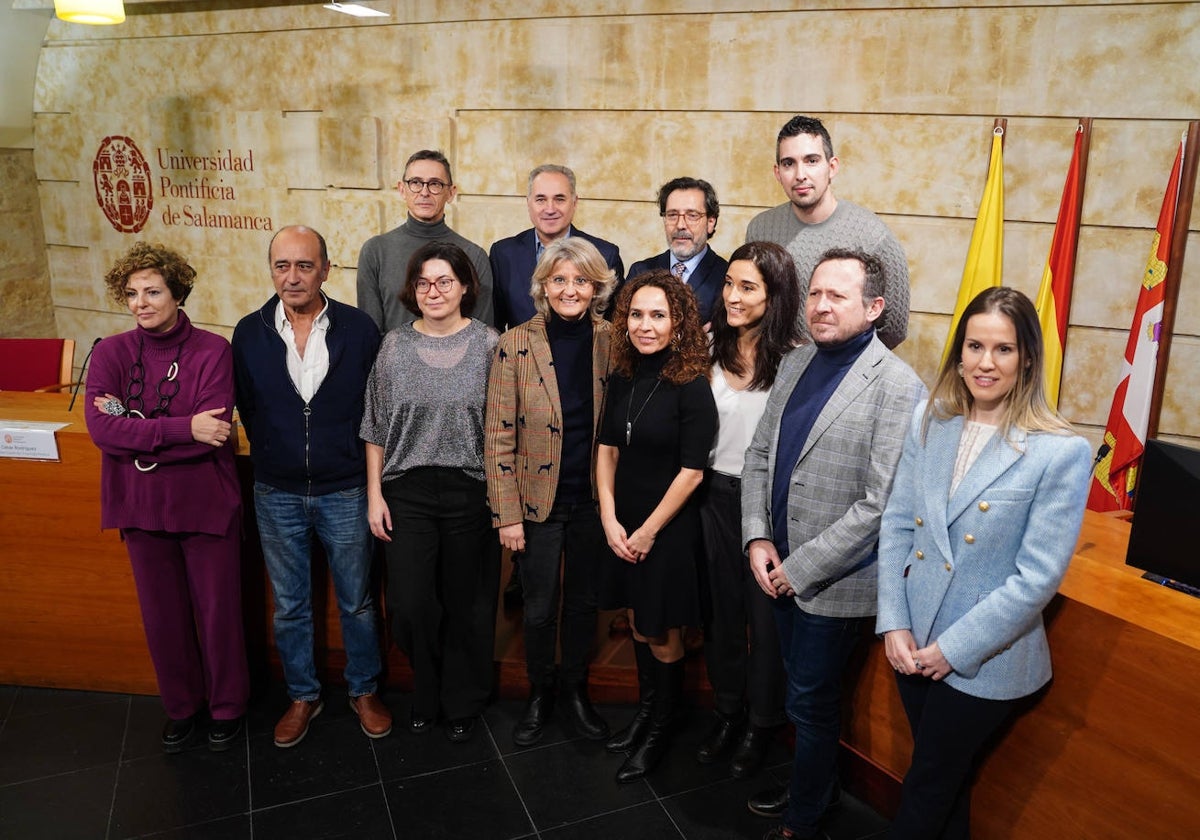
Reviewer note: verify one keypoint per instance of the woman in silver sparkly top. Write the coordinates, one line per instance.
(426, 494)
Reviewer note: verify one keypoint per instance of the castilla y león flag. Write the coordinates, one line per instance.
(1115, 476)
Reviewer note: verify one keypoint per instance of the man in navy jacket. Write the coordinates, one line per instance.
(689, 209)
(301, 364)
(552, 202)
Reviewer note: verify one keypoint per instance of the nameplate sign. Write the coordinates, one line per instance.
(29, 441)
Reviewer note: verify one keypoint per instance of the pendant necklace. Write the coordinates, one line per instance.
(166, 388)
(629, 423)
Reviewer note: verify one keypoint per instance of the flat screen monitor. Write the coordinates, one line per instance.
(1164, 538)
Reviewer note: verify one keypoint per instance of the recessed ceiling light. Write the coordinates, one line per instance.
(356, 9)
(90, 11)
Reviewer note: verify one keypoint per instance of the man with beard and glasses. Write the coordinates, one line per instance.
(689, 210)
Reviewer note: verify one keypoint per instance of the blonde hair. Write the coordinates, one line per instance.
(1025, 406)
(583, 255)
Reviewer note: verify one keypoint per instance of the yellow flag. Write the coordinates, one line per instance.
(985, 257)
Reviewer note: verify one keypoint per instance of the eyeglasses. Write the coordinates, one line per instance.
(692, 216)
(444, 284)
(415, 185)
(561, 282)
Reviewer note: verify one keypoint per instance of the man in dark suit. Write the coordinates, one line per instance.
(689, 210)
(552, 202)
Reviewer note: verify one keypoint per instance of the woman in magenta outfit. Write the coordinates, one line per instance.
(159, 405)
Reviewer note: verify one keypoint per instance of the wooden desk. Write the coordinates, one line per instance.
(1110, 750)
(69, 615)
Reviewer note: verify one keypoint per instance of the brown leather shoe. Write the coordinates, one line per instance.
(373, 716)
(293, 726)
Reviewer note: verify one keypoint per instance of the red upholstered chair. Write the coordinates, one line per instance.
(36, 364)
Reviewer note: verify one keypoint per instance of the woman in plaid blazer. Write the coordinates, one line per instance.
(545, 394)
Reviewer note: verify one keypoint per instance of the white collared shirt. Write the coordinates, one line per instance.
(307, 372)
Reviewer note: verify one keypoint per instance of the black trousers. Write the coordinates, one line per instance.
(443, 576)
(741, 666)
(571, 539)
(949, 729)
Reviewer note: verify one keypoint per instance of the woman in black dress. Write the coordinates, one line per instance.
(658, 426)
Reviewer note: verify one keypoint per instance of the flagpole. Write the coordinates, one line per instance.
(1085, 149)
(1085, 128)
(1183, 216)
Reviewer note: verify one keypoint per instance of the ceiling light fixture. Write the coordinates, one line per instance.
(95, 12)
(356, 9)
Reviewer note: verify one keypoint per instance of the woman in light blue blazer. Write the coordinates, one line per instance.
(978, 532)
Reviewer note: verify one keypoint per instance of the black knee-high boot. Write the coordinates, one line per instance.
(668, 692)
(632, 735)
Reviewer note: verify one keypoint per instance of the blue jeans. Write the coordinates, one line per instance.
(815, 652)
(287, 523)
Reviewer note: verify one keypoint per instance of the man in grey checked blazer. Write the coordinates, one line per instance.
(816, 480)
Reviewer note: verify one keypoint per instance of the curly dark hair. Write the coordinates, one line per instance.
(175, 271)
(689, 348)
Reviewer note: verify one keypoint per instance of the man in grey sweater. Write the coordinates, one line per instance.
(812, 220)
(427, 188)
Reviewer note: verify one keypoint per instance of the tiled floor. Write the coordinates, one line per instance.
(88, 765)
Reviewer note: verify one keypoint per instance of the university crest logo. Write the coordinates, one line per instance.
(122, 180)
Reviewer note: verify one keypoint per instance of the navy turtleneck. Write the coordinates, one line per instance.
(814, 388)
(571, 350)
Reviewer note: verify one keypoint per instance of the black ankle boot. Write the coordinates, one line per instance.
(632, 735)
(581, 714)
(725, 731)
(668, 691)
(751, 752)
(531, 726)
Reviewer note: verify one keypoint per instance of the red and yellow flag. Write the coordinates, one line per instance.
(985, 256)
(1054, 296)
(1115, 476)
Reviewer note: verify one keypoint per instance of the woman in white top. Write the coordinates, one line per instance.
(753, 325)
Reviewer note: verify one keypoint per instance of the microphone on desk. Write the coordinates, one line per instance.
(1100, 453)
(82, 371)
